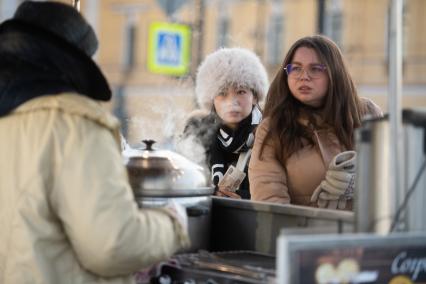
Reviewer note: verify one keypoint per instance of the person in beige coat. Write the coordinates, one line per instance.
(67, 213)
(303, 150)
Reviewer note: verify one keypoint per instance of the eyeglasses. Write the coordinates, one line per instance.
(314, 71)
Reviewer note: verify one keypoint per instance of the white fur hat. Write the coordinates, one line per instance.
(226, 67)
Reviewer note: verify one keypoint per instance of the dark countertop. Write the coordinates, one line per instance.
(255, 226)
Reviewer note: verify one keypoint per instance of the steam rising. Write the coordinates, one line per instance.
(194, 142)
(191, 148)
(163, 117)
(163, 128)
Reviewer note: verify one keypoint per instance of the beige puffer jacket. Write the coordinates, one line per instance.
(67, 213)
(295, 182)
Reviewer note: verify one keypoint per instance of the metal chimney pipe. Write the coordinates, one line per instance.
(374, 202)
(395, 98)
(380, 165)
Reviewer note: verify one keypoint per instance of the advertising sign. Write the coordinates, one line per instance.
(352, 259)
(169, 48)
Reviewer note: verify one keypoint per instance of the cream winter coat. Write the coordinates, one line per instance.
(67, 213)
(271, 181)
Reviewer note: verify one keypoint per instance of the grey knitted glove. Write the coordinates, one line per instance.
(339, 183)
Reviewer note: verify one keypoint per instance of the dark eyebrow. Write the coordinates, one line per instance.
(312, 64)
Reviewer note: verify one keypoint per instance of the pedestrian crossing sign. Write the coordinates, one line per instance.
(169, 48)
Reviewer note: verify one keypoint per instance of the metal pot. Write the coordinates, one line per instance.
(378, 204)
(157, 176)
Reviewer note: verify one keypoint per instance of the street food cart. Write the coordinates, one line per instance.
(260, 242)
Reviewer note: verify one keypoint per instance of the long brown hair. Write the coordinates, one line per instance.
(341, 109)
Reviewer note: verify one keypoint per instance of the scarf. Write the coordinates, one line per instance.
(229, 143)
(33, 64)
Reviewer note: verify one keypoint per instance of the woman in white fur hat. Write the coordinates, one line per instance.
(230, 84)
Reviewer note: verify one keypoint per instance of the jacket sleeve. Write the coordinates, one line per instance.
(94, 202)
(370, 108)
(267, 177)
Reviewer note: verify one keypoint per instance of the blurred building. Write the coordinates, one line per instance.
(154, 105)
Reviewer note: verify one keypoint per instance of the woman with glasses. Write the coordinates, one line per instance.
(303, 151)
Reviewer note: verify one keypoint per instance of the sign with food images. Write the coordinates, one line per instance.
(352, 259)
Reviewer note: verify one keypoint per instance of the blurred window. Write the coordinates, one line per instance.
(223, 24)
(129, 50)
(222, 32)
(333, 21)
(275, 40)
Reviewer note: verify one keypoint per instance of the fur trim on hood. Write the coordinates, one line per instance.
(230, 66)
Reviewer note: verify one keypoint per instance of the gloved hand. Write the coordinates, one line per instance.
(339, 183)
(224, 192)
(178, 212)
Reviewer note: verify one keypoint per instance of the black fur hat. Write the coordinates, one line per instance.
(49, 46)
(59, 19)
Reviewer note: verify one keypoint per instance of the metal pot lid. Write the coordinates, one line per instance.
(164, 173)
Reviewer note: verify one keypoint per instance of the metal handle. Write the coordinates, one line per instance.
(227, 268)
(197, 211)
(148, 144)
